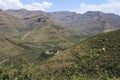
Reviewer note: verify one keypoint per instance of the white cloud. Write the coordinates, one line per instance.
(17, 4)
(113, 1)
(113, 6)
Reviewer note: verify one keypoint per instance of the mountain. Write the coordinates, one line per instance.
(92, 22)
(8, 48)
(9, 25)
(95, 58)
(95, 21)
(55, 30)
(50, 46)
(37, 21)
(23, 13)
(108, 41)
(49, 33)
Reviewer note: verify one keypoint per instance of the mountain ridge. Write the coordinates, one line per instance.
(98, 51)
(89, 23)
(59, 45)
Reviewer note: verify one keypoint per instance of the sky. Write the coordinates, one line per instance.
(78, 6)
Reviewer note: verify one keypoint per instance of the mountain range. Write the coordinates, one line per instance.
(23, 23)
(59, 45)
(54, 30)
(95, 58)
(39, 26)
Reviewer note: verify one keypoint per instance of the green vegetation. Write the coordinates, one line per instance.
(53, 46)
(96, 58)
(8, 48)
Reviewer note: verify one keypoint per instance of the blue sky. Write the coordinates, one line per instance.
(79, 6)
(65, 5)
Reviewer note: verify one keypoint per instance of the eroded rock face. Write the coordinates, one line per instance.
(41, 20)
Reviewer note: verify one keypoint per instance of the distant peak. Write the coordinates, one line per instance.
(1, 10)
(17, 10)
(22, 9)
(93, 12)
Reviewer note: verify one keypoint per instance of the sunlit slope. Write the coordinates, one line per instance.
(94, 56)
(8, 48)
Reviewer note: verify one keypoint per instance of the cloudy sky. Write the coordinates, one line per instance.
(79, 6)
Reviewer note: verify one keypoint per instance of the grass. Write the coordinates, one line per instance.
(96, 58)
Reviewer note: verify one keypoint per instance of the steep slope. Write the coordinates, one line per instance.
(36, 20)
(109, 41)
(23, 13)
(9, 25)
(44, 31)
(89, 23)
(92, 22)
(96, 57)
(8, 48)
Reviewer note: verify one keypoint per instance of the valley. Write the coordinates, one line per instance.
(63, 45)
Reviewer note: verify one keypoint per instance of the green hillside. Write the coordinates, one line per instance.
(96, 58)
(8, 48)
(9, 25)
(45, 33)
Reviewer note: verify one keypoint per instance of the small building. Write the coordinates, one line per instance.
(53, 52)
